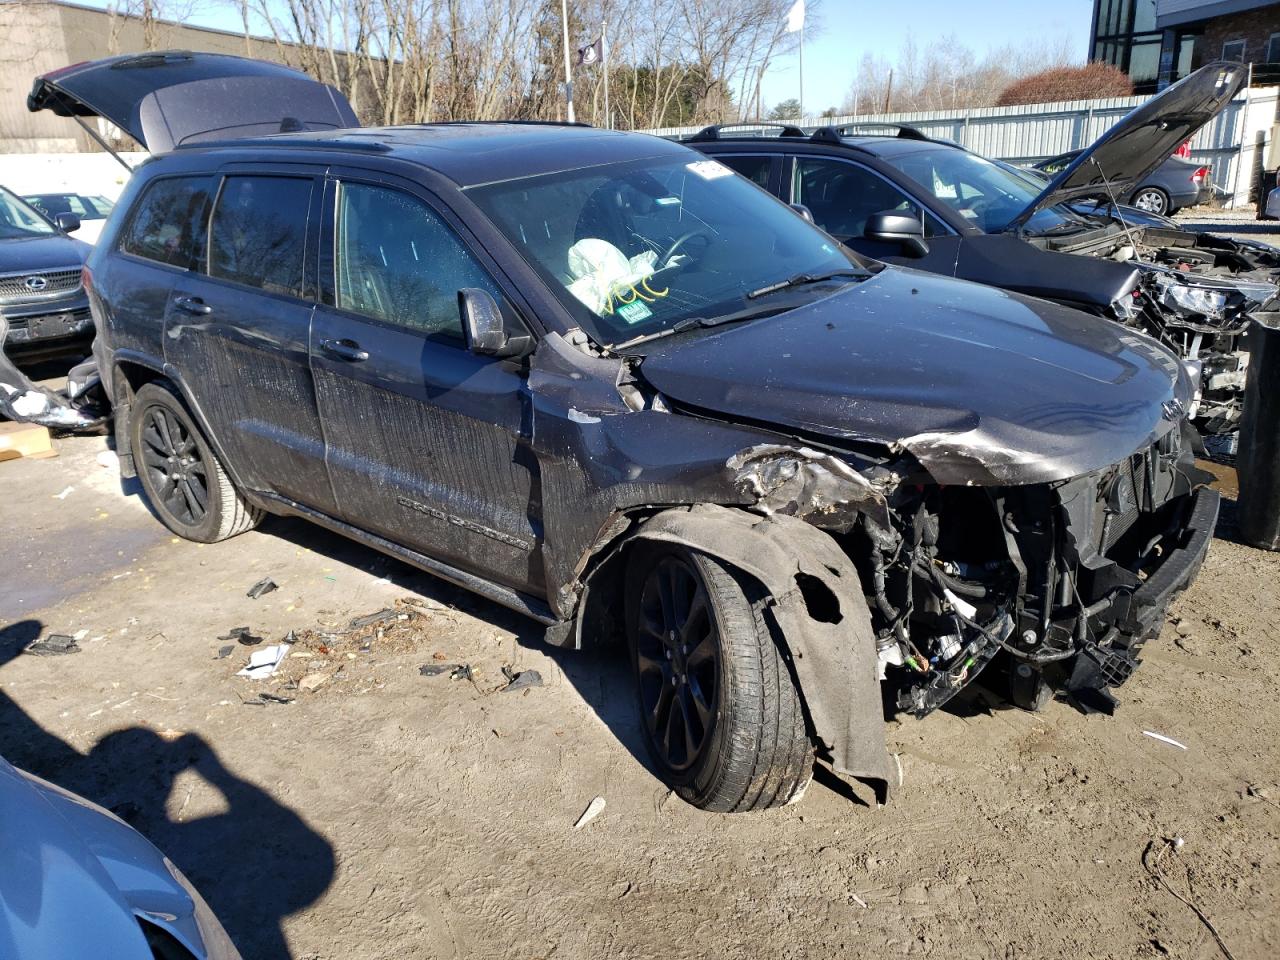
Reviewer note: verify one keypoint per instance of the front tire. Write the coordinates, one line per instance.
(721, 716)
(184, 481)
(1152, 200)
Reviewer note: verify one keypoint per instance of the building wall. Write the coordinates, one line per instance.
(1255, 27)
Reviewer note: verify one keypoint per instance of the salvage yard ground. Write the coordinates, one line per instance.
(383, 813)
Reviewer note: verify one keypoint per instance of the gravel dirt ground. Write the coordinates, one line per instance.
(383, 813)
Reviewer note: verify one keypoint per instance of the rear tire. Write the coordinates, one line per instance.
(186, 484)
(720, 713)
(1152, 200)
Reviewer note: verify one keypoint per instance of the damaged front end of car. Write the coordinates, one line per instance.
(1197, 295)
(1060, 582)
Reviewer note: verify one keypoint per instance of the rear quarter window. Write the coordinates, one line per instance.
(167, 224)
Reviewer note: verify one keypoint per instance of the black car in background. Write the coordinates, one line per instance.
(909, 199)
(599, 379)
(43, 307)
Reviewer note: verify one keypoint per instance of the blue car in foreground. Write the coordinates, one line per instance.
(77, 882)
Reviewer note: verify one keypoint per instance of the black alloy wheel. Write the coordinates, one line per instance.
(678, 662)
(178, 474)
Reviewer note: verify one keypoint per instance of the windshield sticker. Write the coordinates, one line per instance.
(709, 169)
(635, 311)
(667, 201)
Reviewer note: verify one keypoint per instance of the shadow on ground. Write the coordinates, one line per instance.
(255, 863)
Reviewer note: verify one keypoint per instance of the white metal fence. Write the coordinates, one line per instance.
(1026, 134)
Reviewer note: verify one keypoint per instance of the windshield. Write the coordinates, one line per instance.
(986, 194)
(635, 248)
(18, 221)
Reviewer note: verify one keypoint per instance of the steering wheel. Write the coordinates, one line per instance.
(664, 260)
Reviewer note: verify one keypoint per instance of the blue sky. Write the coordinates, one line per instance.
(847, 29)
(850, 28)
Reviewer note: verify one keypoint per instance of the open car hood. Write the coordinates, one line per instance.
(982, 386)
(169, 98)
(1144, 138)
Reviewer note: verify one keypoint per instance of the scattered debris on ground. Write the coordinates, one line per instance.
(594, 809)
(54, 645)
(242, 634)
(456, 671)
(522, 680)
(263, 663)
(261, 588)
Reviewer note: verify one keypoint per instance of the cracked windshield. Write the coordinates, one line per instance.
(641, 248)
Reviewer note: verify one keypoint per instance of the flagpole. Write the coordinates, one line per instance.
(604, 43)
(802, 70)
(568, 74)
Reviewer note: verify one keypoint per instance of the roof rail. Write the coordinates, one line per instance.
(527, 123)
(901, 130)
(717, 131)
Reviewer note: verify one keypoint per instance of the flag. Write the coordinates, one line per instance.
(795, 17)
(594, 52)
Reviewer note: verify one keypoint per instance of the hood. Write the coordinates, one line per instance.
(77, 878)
(1145, 138)
(983, 386)
(56, 898)
(170, 98)
(32, 254)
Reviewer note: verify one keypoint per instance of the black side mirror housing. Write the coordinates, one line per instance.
(893, 226)
(490, 332)
(804, 211)
(67, 222)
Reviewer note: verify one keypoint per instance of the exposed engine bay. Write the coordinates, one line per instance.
(1062, 583)
(1195, 294)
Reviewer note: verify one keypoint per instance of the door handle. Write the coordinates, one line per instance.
(344, 350)
(193, 305)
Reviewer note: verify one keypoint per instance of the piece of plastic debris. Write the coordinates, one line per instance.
(263, 586)
(262, 699)
(54, 645)
(224, 652)
(263, 663)
(243, 635)
(521, 680)
(313, 682)
(64, 494)
(456, 671)
(380, 617)
(1163, 739)
(594, 809)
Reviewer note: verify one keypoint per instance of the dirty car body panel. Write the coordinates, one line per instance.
(537, 353)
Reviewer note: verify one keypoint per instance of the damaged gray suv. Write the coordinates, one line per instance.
(599, 379)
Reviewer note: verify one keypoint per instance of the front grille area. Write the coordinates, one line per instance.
(38, 285)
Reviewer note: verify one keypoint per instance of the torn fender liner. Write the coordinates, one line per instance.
(834, 653)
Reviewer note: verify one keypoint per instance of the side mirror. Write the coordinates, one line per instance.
(489, 332)
(67, 222)
(804, 211)
(892, 226)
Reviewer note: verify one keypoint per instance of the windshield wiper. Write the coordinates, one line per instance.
(689, 323)
(800, 279)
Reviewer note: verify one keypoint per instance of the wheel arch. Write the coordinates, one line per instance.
(814, 596)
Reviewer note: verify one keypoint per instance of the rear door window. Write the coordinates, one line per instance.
(756, 169)
(843, 195)
(397, 261)
(258, 232)
(168, 223)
